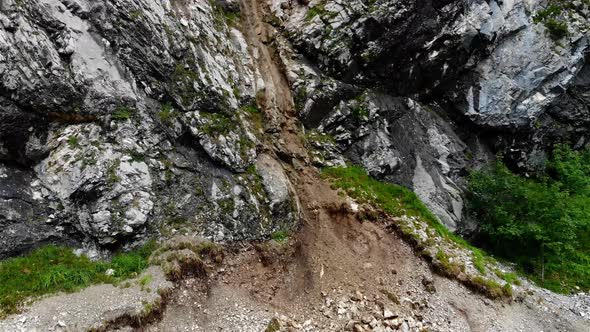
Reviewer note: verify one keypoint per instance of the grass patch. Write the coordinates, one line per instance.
(449, 268)
(360, 112)
(314, 11)
(122, 113)
(557, 15)
(53, 269)
(393, 199)
(218, 124)
(491, 287)
(167, 114)
(510, 278)
(273, 326)
(280, 236)
(145, 281)
(73, 142)
(479, 261)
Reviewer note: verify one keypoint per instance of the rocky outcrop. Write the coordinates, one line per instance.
(121, 119)
(486, 77)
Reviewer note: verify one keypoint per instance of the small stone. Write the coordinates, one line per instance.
(373, 324)
(358, 296)
(366, 319)
(428, 284)
(358, 328)
(405, 327)
(388, 313)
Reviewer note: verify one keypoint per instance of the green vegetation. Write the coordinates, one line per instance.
(450, 268)
(254, 114)
(393, 199)
(314, 11)
(251, 109)
(135, 14)
(541, 223)
(398, 201)
(53, 269)
(122, 113)
(479, 261)
(280, 236)
(177, 262)
(491, 287)
(183, 78)
(167, 114)
(360, 112)
(556, 15)
(232, 18)
(319, 10)
(145, 281)
(73, 142)
(510, 278)
(111, 177)
(136, 156)
(218, 124)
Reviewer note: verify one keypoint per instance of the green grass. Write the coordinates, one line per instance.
(122, 113)
(218, 124)
(167, 114)
(557, 15)
(280, 236)
(393, 199)
(360, 112)
(317, 10)
(73, 142)
(479, 261)
(53, 269)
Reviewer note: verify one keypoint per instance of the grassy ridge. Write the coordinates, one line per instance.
(53, 269)
(393, 199)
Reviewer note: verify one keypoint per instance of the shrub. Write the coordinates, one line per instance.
(555, 16)
(541, 223)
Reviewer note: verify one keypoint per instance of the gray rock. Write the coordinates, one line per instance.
(121, 120)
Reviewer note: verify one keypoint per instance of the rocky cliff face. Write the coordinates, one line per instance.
(123, 118)
(120, 119)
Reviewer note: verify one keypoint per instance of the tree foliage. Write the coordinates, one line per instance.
(541, 223)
